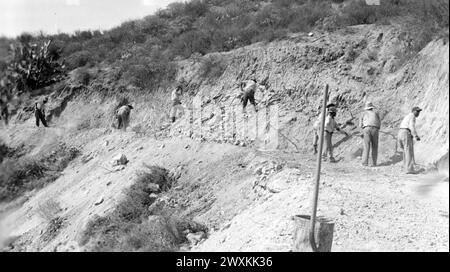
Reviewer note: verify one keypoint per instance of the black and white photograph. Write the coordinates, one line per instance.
(224, 127)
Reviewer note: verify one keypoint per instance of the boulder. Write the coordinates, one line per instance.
(120, 159)
(195, 238)
(152, 187)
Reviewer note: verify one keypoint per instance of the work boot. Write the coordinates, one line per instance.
(315, 149)
(173, 119)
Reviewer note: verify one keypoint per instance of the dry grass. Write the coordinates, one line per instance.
(132, 226)
(23, 174)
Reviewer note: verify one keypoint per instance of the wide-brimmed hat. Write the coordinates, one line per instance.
(416, 109)
(369, 106)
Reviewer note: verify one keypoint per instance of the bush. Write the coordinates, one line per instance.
(212, 67)
(82, 76)
(79, 59)
(131, 226)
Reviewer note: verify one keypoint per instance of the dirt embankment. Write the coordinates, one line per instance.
(246, 196)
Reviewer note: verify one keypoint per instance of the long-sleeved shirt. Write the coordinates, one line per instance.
(330, 124)
(124, 110)
(370, 118)
(409, 122)
(250, 87)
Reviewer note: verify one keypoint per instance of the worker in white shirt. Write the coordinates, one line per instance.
(405, 137)
(316, 128)
(330, 126)
(176, 102)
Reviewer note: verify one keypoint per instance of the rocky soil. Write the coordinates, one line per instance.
(247, 187)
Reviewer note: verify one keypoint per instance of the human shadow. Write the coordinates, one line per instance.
(343, 140)
(396, 158)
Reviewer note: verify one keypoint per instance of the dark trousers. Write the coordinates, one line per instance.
(40, 116)
(248, 97)
(5, 116)
(370, 143)
(123, 121)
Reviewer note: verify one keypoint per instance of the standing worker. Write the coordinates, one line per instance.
(330, 126)
(405, 138)
(176, 102)
(39, 112)
(248, 89)
(4, 114)
(123, 116)
(316, 128)
(370, 123)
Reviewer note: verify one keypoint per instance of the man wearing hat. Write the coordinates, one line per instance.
(316, 127)
(405, 137)
(370, 124)
(330, 126)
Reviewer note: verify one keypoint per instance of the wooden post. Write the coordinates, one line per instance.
(323, 233)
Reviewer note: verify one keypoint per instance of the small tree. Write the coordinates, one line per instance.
(34, 66)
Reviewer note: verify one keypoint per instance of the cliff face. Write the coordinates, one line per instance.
(233, 188)
(362, 63)
(359, 64)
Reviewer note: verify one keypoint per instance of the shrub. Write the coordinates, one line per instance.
(190, 42)
(131, 227)
(82, 76)
(79, 59)
(212, 67)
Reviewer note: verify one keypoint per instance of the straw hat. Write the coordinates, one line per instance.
(369, 106)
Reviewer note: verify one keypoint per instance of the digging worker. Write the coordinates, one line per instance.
(176, 102)
(248, 89)
(123, 116)
(370, 124)
(405, 137)
(330, 126)
(39, 112)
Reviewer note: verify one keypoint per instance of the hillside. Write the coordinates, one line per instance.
(233, 185)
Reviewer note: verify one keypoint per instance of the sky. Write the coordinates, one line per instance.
(53, 16)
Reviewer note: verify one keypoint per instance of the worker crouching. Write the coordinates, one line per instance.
(123, 117)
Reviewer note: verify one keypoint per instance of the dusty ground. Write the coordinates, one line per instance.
(247, 197)
(374, 209)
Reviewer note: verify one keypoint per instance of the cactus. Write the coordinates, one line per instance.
(33, 67)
